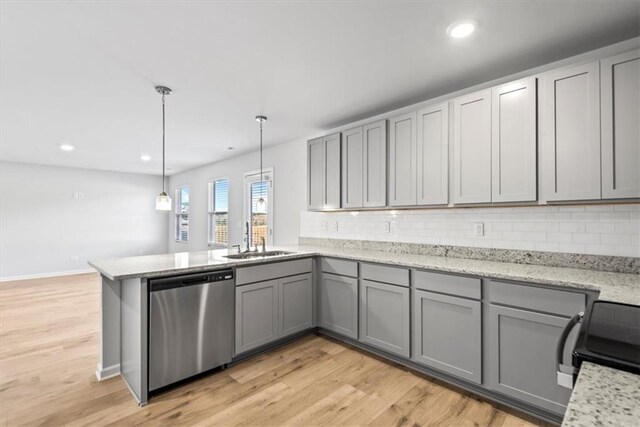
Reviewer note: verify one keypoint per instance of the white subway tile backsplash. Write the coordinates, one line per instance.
(592, 229)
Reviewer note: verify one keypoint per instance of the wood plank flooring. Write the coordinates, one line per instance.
(49, 347)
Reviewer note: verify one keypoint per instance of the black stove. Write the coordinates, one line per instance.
(609, 336)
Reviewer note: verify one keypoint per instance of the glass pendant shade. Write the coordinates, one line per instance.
(163, 202)
(261, 202)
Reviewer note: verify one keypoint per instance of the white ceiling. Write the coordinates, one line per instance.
(83, 72)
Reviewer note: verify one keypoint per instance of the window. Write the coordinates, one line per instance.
(259, 216)
(182, 213)
(218, 223)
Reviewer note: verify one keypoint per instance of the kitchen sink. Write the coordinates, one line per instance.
(248, 255)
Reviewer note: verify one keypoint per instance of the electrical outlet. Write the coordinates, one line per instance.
(74, 258)
(386, 227)
(333, 226)
(323, 226)
(78, 196)
(478, 229)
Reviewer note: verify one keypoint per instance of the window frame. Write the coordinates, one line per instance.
(178, 213)
(248, 178)
(211, 211)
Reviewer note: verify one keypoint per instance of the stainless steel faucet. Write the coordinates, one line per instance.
(264, 245)
(246, 238)
(237, 247)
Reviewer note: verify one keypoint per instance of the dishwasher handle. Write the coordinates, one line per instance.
(166, 283)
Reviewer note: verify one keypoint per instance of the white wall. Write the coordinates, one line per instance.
(289, 192)
(42, 225)
(593, 229)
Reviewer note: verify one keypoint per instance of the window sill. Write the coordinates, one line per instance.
(182, 241)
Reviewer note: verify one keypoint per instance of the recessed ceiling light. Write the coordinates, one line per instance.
(145, 157)
(229, 148)
(462, 29)
(67, 147)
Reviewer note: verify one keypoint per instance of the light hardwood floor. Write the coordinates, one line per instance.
(49, 349)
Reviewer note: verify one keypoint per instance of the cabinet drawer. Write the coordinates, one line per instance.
(539, 299)
(274, 270)
(385, 274)
(468, 287)
(339, 266)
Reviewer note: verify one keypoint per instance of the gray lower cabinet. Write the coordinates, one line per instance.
(296, 304)
(522, 355)
(385, 317)
(447, 334)
(339, 304)
(272, 309)
(256, 315)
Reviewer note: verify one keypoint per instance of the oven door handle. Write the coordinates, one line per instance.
(565, 373)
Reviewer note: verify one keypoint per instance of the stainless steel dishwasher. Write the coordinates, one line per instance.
(190, 325)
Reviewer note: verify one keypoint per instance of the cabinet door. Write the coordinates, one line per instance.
(384, 316)
(433, 155)
(620, 126)
(375, 164)
(570, 141)
(447, 334)
(296, 304)
(472, 148)
(256, 315)
(332, 171)
(339, 304)
(522, 353)
(315, 174)
(352, 156)
(402, 160)
(513, 142)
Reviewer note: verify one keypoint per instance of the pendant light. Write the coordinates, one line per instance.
(261, 120)
(163, 201)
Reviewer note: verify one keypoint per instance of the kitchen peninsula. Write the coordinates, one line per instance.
(406, 276)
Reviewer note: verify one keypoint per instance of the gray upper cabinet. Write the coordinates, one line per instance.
(620, 111)
(522, 354)
(447, 334)
(339, 304)
(433, 155)
(315, 174)
(323, 172)
(364, 166)
(513, 142)
(570, 137)
(472, 148)
(256, 315)
(296, 304)
(384, 316)
(374, 164)
(402, 160)
(332, 171)
(352, 157)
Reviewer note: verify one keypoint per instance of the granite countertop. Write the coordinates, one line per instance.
(617, 287)
(603, 397)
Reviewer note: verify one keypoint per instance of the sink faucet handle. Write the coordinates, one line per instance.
(237, 247)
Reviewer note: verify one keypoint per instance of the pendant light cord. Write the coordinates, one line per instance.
(260, 150)
(163, 149)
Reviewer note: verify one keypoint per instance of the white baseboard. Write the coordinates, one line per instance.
(44, 275)
(108, 372)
